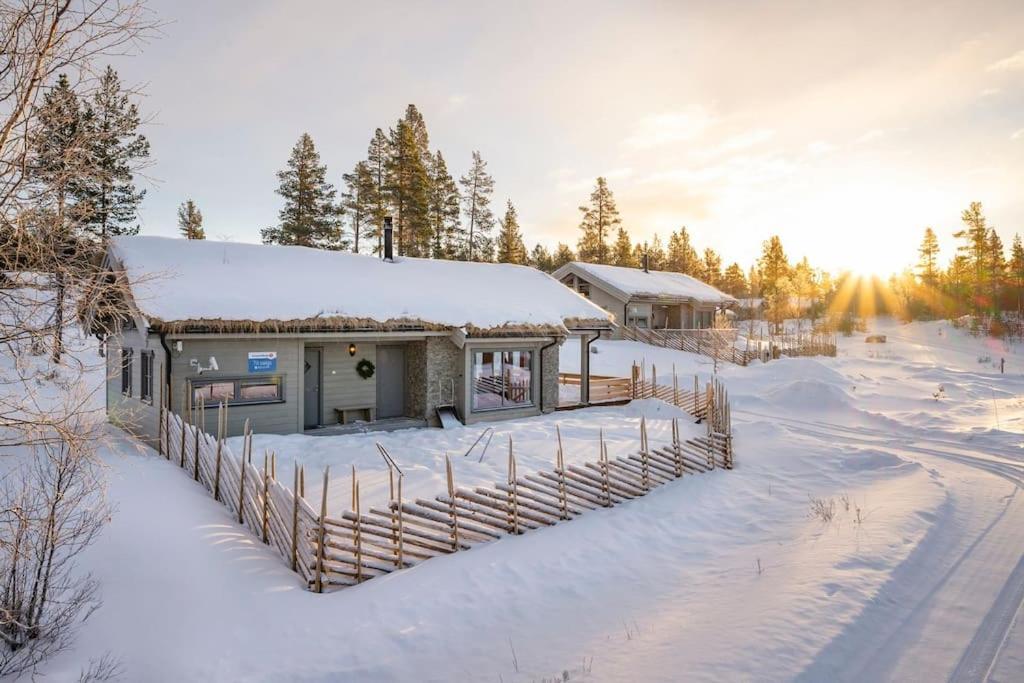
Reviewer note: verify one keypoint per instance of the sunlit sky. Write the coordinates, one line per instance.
(843, 127)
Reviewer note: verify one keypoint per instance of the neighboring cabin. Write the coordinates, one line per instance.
(646, 299)
(303, 338)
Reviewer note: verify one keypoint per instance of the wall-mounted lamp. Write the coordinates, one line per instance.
(351, 349)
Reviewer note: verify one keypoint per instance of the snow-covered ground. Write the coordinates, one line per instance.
(726, 575)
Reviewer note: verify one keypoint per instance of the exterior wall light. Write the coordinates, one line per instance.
(351, 349)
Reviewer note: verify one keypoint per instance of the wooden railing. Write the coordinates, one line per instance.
(717, 343)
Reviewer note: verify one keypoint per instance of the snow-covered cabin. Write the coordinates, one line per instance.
(295, 339)
(654, 299)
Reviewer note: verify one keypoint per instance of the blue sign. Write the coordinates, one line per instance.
(262, 361)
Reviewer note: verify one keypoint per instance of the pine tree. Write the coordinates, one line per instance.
(734, 282)
(310, 217)
(117, 149)
(444, 210)
(190, 221)
(622, 253)
(59, 168)
(359, 201)
(995, 268)
(1016, 272)
(510, 240)
(975, 247)
(927, 265)
(682, 256)
(656, 255)
(477, 187)
(541, 259)
(377, 161)
(711, 267)
(600, 218)
(773, 265)
(563, 254)
(409, 187)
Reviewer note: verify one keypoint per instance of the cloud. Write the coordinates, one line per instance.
(747, 139)
(870, 135)
(660, 129)
(819, 147)
(1017, 134)
(989, 92)
(1012, 63)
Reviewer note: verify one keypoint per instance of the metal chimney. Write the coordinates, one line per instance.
(646, 263)
(389, 240)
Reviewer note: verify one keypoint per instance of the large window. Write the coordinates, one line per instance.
(238, 391)
(502, 379)
(126, 371)
(146, 377)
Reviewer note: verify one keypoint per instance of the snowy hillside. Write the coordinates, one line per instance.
(862, 509)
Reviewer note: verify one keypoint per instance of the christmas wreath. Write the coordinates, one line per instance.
(365, 369)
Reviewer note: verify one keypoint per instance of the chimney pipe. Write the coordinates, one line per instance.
(646, 263)
(389, 240)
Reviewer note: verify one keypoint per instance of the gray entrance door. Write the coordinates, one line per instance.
(390, 381)
(311, 392)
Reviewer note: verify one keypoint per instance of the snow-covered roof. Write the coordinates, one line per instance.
(635, 282)
(178, 280)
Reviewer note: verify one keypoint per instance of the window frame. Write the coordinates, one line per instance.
(501, 351)
(238, 382)
(127, 360)
(146, 363)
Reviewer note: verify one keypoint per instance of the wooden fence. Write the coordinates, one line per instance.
(331, 548)
(716, 343)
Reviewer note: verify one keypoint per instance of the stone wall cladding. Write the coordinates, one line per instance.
(443, 362)
(549, 382)
(416, 386)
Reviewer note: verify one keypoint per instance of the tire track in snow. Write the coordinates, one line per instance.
(981, 654)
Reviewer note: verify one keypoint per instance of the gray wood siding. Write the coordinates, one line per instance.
(130, 412)
(341, 386)
(233, 361)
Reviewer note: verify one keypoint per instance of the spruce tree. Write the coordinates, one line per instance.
(773, 265)
(600, 218)
(510, 240)
(975, 248)
(657, 258)
(477, 188)
(310, 217)
(1016, 273)
(622, 254)
(408, 188)
(734, 282)
(928, 257)
(995, 269)
(117, 150)
(190, 221)
(711, 267)
(444, 210)
(377, 161)
(541, 259)
(563, 254)
(682, 256)
(359, 200)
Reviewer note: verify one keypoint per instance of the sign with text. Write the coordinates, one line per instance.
(262, 361)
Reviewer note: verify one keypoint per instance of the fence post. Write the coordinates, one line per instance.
(220, 445)
(265, 518)
(195, 443)
(451, 503)
(357, 529)
(675, 386)
(513, 491)
(563, 499)
(644, 456)
(654, 381)
(322, 535)
(246, 450)
(184, 412)
(398, 511)
(676, 451)
(295, 521)
(606, 484)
